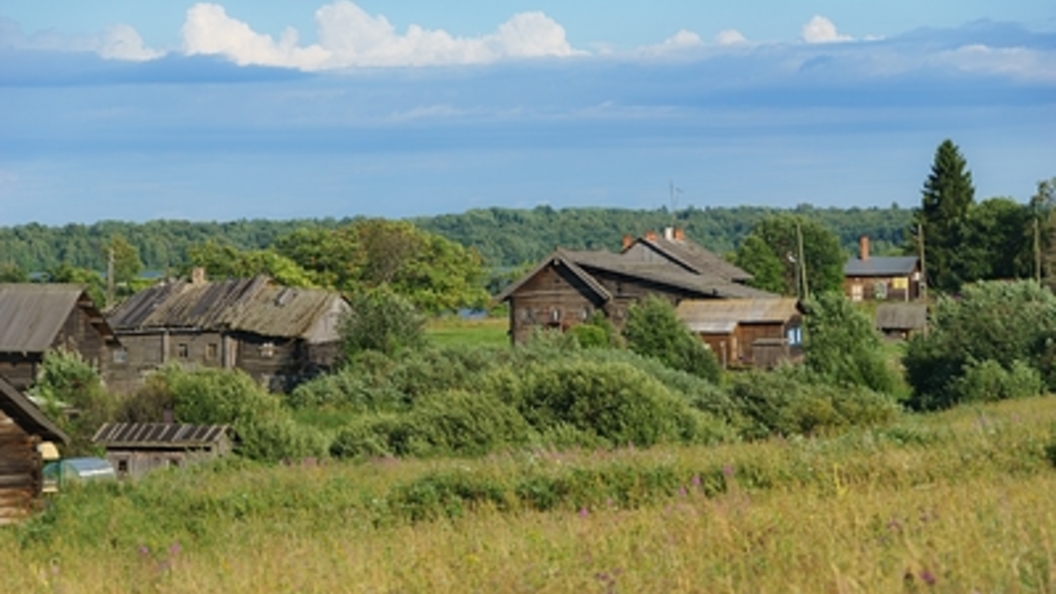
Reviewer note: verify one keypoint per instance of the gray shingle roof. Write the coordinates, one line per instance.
(17, 406)
(901, 316)
(696, 258)
(32, 314)
(723, 315)
(116, 435)
(881, 266)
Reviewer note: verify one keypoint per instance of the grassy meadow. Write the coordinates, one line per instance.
(961, 501)
(453, 331)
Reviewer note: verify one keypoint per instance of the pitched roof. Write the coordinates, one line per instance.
(559, 257)
(723, 315)
(32, 314)
(881, 266)
(249, 305)
(131, 435)
(901, 316)
(16, 405)
(705, 285)
(692, 256)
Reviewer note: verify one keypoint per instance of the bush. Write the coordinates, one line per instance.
(376, 435)
(381, 320)
(653, 330)
(786, 402)
(843, 346)
(1003, 322)
(66, 382)
(987, 381)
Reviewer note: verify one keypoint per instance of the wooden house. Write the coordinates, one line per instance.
(757, 332)
(880, 278)
(36, 318)
(568, 287)
(134, 449)
(278, 335)
(901, 320)
(672, 247)
(24, 430)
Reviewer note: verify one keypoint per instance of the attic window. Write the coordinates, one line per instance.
(211, 350)
(267, 350)
(182, 350)
(120, 356)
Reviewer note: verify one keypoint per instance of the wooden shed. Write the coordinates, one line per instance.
(134, 449)
(759, 332)
(901, 320)
(23, 430)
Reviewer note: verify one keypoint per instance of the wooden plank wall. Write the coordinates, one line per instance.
(20, 471)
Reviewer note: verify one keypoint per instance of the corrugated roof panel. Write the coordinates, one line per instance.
(31, 315)
(169, 434)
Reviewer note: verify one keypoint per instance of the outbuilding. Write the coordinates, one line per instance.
(134, 449)
(25, 436)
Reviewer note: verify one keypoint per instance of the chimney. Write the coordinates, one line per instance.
(198, 275)
(650, 235)
(627, 241)
(863, 247)
(168, 416)
(669, 233)
(680, 234)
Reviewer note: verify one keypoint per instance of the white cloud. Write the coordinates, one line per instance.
(730, 37)
(821, 30)
(350, 37)
(123, 42)
(1016, 62)
(681, 41)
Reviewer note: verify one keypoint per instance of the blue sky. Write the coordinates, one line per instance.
(216, 111)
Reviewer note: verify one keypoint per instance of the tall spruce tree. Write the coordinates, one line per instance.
(948, 196)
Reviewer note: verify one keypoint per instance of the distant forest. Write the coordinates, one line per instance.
(504, 237)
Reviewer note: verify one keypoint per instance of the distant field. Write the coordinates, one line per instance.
(956, 502)
(457, 331)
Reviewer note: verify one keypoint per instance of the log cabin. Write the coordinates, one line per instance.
(279, 335)
(24, 429)
(747, 332)
(881, 278)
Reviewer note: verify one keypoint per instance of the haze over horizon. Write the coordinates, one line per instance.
(223, 111)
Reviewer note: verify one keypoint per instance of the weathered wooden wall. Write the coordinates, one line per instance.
(20, 471)
(553, 298)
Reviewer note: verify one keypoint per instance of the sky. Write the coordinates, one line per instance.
(134, 110)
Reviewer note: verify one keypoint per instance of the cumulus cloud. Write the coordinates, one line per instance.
(349, 37)
(681, 41)
(123, 42)
(730, 37)
(1016, 62)
(821, 30)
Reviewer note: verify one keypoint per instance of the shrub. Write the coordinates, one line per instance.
(381, 320)
(66, 382)
(985, 381)
(653, 330)
(1002, 322)
(843, 346)
(464, 423)
(374, 436)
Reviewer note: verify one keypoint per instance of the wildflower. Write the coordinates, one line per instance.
(175, 549)
(696, 480)
(682, 492)
(727, 471)
(927, 577)
(143, 550)
(583, 512)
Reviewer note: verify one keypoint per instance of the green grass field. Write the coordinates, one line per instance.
(459, 332)
(956, 502)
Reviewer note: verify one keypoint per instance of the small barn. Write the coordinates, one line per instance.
(38, 317)
(901, 320)
(278, 335)
(756, 332)
(134, 449)
(24, 430)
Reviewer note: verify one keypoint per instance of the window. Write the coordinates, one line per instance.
(211, 350)
(267, 350)
(880, 290)
(120, 356)
(794, 335)
(856, 292)
(122, 467)
(182, 350)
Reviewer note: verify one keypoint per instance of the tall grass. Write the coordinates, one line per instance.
(450, 331)
(956, 502)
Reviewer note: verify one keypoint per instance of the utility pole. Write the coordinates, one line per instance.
(1037, 251)
(802, 262)
(923, 271)
(109, 276)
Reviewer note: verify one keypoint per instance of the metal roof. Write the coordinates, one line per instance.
(901, 316)
(164, 435)
(249, 305)
(32, 314)
(18, 407)
(881, 266)
(721, 316)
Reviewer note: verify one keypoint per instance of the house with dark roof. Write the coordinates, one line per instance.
(747, 332)
(38, 317)
(881, 278)
(278, 335)
(134, 449)
(24, 430)
(569, 286)
(901, 320)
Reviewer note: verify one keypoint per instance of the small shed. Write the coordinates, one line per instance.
(24, 429)
(758, 332)
(136, 448)
(901, 320)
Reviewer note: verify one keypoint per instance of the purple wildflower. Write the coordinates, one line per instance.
(927, 577)
(175, 549)
(583, 512)
(727, 470)
(696, 480)
(143, 550)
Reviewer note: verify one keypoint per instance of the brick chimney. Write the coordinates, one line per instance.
(680, 234)
(863, 247)
(198, 275)
(627, 241)
(650, 235)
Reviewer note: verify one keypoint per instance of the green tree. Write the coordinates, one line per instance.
(13, 273)
(225, 261)
(843, 346)
(756, 257)
(73, 395)
(127, 265)
(91, 280)
(654, 330)
(383, 321)
(821, 251)
(947, 198)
